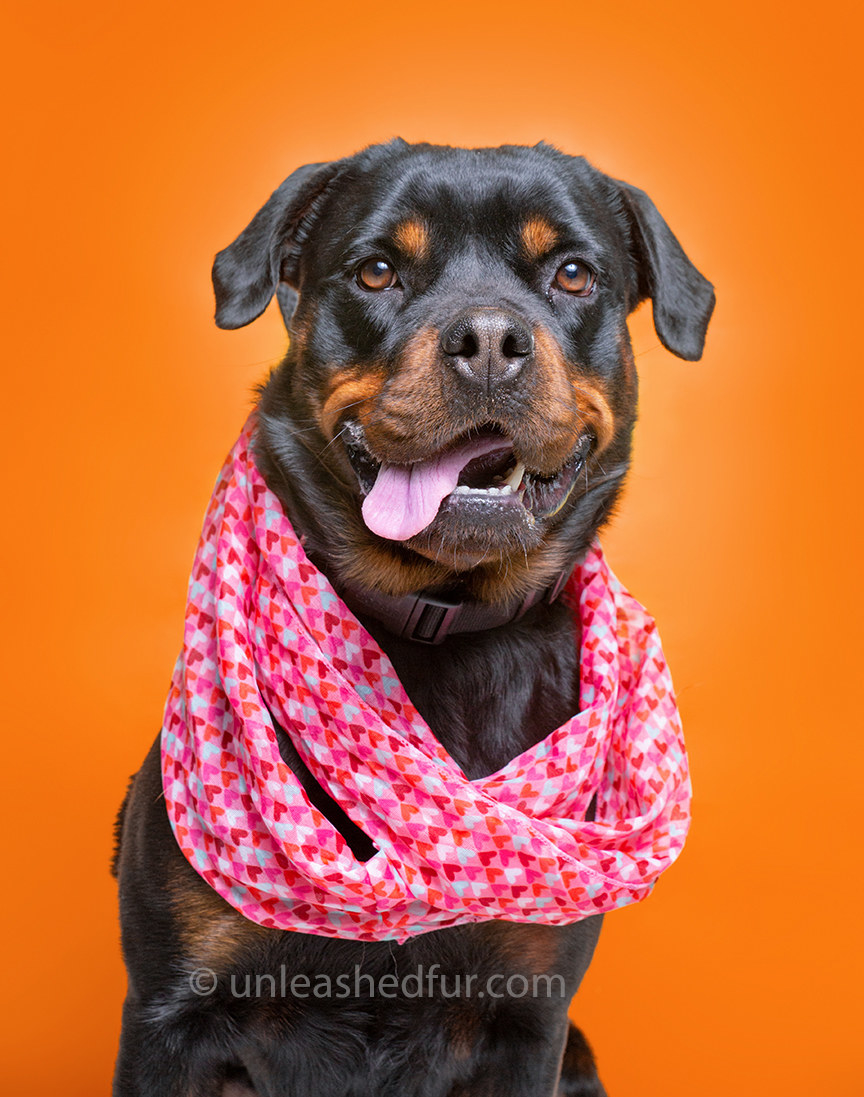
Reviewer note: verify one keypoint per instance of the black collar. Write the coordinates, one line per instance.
(429, 618)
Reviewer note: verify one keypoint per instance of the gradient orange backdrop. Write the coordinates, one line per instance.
(141, 139)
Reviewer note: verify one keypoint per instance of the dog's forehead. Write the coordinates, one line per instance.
(480, 190)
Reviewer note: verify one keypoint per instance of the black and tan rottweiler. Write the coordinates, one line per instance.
(432, 294)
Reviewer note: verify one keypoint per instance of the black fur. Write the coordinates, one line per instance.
(487, 696)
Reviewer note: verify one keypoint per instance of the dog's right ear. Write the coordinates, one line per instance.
(247, 273)
(682, 298)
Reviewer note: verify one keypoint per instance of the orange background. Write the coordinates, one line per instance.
(142, 138)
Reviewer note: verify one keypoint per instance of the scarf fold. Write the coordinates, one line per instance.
(266, 632)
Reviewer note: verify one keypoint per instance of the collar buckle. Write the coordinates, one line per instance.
(430, 619)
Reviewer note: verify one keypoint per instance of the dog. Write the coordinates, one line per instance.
(436, 298)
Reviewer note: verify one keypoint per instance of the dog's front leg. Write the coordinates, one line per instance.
(519, 1061)
(156, 1061)
(578, 1071)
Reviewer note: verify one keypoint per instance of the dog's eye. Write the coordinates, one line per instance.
(575, 277)
(376, 274)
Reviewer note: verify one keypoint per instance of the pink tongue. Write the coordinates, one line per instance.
(405, 498)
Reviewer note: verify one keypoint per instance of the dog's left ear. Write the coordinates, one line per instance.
(682, 299)
(266, 254)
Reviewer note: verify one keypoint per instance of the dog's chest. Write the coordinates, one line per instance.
(489, 696)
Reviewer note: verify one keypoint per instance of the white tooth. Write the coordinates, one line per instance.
(463, 489)
(515, 477)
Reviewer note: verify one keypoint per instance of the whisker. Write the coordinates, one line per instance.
(354, 403)
(335, 438)
(485, 551)
(649, 350)
(263, 362)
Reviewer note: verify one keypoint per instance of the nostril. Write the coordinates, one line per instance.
(460, 340)
(468, 346)
(516, 344)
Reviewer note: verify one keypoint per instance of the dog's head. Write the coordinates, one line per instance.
(459, 394)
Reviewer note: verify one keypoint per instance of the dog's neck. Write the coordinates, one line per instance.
(429, 619)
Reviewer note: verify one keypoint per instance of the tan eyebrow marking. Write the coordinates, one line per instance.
(412, 236)
(538, 237)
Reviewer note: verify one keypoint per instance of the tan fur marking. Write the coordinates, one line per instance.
(583, 399)
(213, 933)
(412, 237)
(595, 409)
(538, 237)
(626, 351)
(348, 390)
(392, 570)
(530, 949)
(411, 415)
(524, 573)
(465, 1026)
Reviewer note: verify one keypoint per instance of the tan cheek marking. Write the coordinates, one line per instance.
(413, 238)
(412, 403)
(348, 391)
(594, 407)
(419, 359)
(538, 237)
(589, 398)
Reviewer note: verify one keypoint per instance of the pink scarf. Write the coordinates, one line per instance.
(265, 632)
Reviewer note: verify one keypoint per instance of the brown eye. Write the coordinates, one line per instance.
(376, 274)
(575, 277)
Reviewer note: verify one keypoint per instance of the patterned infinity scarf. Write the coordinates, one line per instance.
(265, 632)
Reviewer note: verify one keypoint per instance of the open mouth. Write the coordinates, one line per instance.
(480, 472)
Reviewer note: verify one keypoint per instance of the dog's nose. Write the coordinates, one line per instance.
(487, 346)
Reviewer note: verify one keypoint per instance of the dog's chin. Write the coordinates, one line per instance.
(498, 509)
